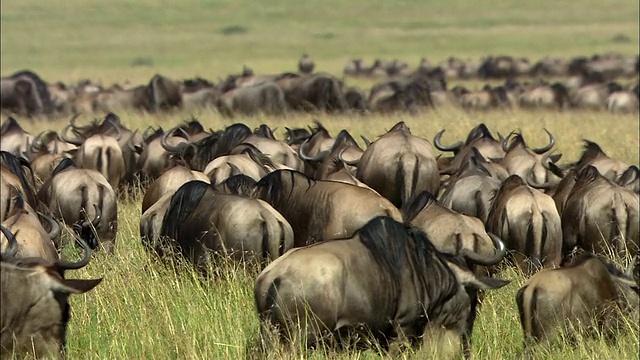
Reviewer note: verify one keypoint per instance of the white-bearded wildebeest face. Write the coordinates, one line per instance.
(529, 223)
(321, 210)
(589, 293)
(387, 280)
(202, 221)
(600, 216)
(35, 311)
(83, 197)
(399, 166)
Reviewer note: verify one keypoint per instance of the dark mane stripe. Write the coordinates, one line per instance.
(273, 188)
(183, 202)
(412, 209)
(14, 165)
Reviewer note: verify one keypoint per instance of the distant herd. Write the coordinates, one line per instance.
(600, 82)
(386, 242)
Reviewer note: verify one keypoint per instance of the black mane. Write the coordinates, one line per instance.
(183, 202)
(14, 165)
(413, 208)
(64, 164)
(273, 188)
(240, 184)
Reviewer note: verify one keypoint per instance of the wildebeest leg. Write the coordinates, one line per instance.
(466, 337)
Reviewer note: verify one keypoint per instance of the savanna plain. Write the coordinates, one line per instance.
(149, 310)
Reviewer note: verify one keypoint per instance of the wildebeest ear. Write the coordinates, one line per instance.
(74, 286)
(467, 278)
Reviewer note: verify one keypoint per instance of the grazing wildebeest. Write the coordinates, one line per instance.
(388, 279)
(201, 221)
(590, 292)
(84, 197)
(529, 223)
(600, 216)
(321, 210)
(451, 232)
(399, 165)
(315, 92)
(35, 309)
(169, 182)
(266, 97)
(100, 152)
(163, 94)
(593, 155)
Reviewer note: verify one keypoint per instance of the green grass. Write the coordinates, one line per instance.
(75, 39)
(146, 310)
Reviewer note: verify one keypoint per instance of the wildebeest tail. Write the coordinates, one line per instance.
(536, 234)
(407, 179)
(620, 225)
(265, 242)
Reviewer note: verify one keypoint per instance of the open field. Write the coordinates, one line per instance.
(144, 310)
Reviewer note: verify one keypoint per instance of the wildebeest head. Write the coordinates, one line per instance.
(35, 309)
(594, 156)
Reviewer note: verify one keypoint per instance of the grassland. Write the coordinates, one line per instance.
(145, 310)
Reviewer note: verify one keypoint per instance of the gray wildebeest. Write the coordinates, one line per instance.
(14, 139)
(589, 292)
(386, 281)
(267, 98)
(35, 309)
(202, 221)
(320, 210)
(83, 197)
(454, 233)
(600, 216)
(529, 223)
(399, 165)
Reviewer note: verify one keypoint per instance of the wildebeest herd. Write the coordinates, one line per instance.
(383, 243)
(600, 82)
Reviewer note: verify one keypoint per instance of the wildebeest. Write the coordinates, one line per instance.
(529, 223)
(25, 93)
(265, 97)
(601, 216)
(316, 92)
(100, 152)
(451, 232)
(321, 210)
(35, 311)
(594, 156)
(201, 221)
(399, 165)
(388, 279)
(84, 197)
(14, 139)
(163, 94)
(590, 292)
(168, 183)
(14, 179)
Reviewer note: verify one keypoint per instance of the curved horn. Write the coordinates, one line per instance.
(12, 249)
(64, 137)
(532, 182)
(552, 142)
(366, 141)
(352, 163)
(501, 251)
(61, 265)
(453, 148)
(36, 144)
(72, 122)
(505, 142)
(167, 146)
(55, 227)
(145, 133)
(321, 155)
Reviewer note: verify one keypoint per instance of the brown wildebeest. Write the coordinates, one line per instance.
(266, 97)
(169, 182)
(593, 155)
(599, 216)
(25, 93)
(589, 292)
(14, 139)
(35, 310)
(84, 197)
(529, 223)
(387, 280)
(399, 165)
(321, 210)
(202, 221)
